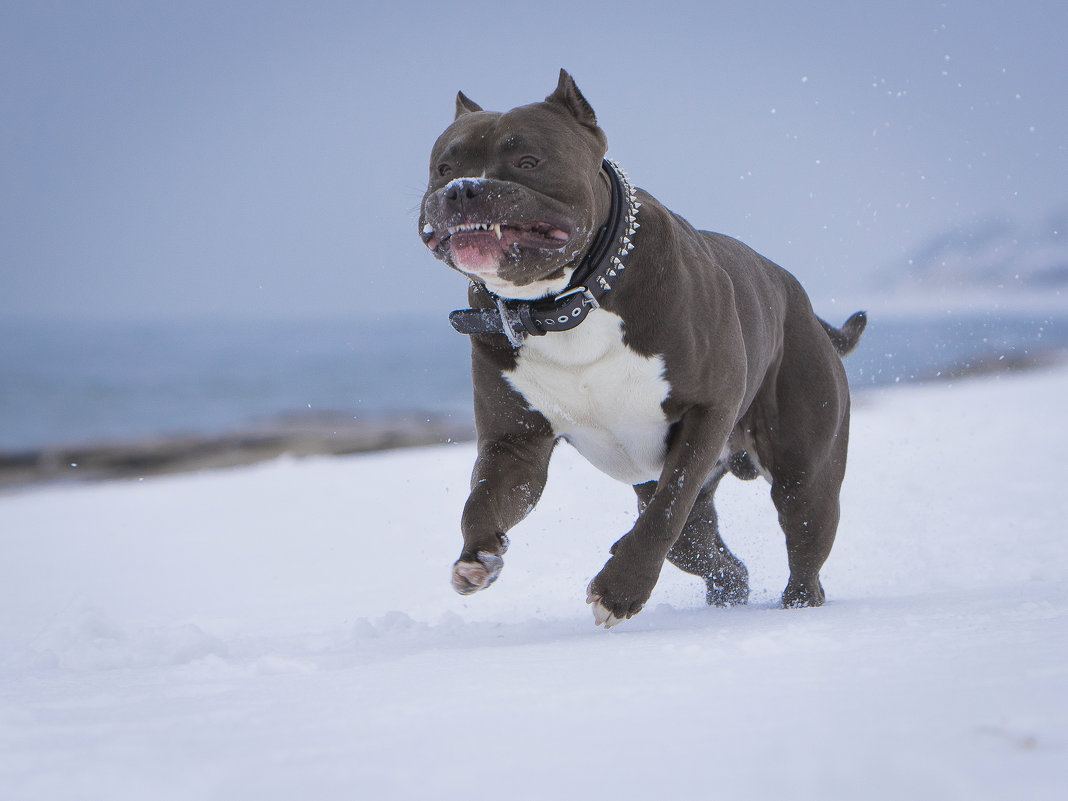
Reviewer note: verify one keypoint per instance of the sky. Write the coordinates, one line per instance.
(267, 159)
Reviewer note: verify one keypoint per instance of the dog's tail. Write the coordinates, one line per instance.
(846, 338)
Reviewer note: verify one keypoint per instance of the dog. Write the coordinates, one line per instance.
(667, 356)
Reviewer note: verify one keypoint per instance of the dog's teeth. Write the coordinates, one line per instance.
(496, 228)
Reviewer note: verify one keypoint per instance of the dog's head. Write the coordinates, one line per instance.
(516, 198)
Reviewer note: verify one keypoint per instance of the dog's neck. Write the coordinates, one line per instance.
(599, 270)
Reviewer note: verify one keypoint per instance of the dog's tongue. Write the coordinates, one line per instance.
(478, 251)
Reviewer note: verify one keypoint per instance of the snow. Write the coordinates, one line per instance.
(288, 630)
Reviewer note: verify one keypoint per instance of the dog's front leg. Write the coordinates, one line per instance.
(506, 483)
(626, 581)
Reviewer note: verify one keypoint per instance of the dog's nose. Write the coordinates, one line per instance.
(463, 188)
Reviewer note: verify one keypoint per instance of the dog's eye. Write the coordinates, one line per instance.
(528, 162)
(444, 169)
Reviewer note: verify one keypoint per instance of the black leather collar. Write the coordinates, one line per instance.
(592, 280)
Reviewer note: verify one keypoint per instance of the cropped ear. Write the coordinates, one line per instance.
(569, 96)
(465, 105)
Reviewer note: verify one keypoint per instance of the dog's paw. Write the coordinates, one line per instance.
(618, 593)
(798, 595)
(602, 615)
(470, 577)
(728, 585)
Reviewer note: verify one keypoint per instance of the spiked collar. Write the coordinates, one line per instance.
(602, 265)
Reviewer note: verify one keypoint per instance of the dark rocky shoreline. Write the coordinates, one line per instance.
(180, 454)
(327, 435)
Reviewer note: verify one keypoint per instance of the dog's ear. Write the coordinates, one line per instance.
(569, 96)
(465, 105)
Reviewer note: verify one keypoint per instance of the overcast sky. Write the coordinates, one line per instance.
(254, 159)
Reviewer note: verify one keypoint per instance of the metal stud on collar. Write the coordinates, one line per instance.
(630, 225)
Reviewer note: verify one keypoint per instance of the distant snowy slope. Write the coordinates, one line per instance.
(288, 631)
(987, 254)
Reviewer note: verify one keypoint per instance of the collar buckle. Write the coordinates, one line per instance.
(588, 298)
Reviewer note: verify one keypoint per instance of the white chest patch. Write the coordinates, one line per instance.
(599, 395)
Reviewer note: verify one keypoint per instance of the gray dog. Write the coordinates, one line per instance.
(665, 355)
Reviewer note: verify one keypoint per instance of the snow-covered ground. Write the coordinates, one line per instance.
(288, 631)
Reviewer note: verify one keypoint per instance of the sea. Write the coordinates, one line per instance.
(65, 383)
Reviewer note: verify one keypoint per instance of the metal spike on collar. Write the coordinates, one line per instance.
(630, 224)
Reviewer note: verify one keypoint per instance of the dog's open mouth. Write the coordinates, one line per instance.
(479, 243)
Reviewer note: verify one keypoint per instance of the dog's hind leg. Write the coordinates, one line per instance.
(807, 501)
(805, 453)
(700, 550)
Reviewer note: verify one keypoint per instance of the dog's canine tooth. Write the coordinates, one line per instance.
(497, 230)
